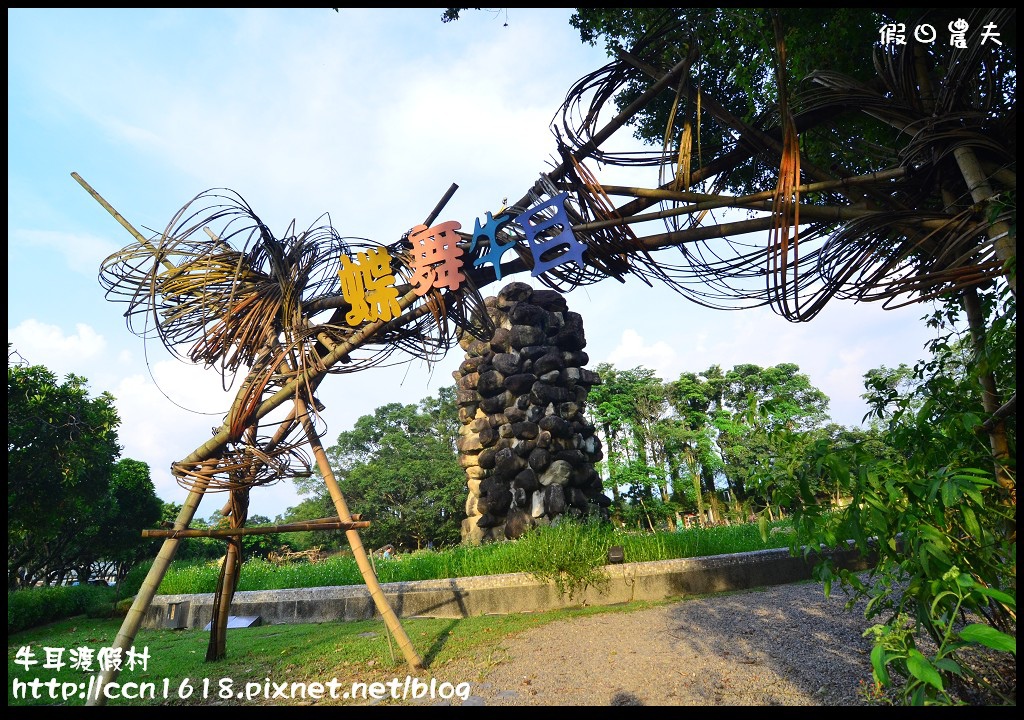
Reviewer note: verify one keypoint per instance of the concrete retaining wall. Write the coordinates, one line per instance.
(500, 594)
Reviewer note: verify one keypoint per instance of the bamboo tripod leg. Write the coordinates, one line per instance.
(227, 582)
(130, 627)
(376, 592)
(132, 621)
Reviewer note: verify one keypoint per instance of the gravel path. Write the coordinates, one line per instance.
(783, 645)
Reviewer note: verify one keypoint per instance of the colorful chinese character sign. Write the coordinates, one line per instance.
(368, 286)
(573, 250)
(494, 248)
(436, 259)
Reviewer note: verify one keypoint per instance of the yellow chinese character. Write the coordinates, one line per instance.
(368, 286)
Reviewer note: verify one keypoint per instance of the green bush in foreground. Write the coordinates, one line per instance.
(30, 607)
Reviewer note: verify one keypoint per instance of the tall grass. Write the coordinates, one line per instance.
(569, 554)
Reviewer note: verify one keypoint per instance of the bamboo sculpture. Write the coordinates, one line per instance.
(218, 288)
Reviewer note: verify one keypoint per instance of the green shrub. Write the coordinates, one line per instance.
(122, 607)
(133, 580)
(30, 607)
(572, 555)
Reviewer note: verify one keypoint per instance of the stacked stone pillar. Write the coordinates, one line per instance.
(525, 443)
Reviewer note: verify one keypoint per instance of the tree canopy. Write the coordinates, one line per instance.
(70, 502)
(884, 158)
(672, 446)
(398, 468)
(739, 70)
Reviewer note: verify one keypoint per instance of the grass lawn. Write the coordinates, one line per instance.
(263, 660)
(47, 664)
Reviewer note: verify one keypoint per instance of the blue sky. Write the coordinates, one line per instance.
(368, 115)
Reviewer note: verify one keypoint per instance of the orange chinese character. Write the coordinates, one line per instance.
(435, 257)
(368, 286)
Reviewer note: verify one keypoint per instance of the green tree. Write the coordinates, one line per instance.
(312, 508)
(889, 388)
(757, 402)
(444, 415)
(932, 508)
(200, 549)
(669, 443)
(629, 407)
(398, 468)
(112, 544)
(259, 546)
(61, 448)
(609, 405)
(694, 397)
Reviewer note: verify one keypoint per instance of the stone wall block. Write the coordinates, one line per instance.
(523, 336)
(499, 341)
(490, 383)
(525, 443)
(507, 363)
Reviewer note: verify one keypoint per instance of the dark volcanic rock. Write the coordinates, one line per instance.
(526, 445)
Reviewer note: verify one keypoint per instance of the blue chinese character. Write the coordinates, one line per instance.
(495, 249)
(565, 238)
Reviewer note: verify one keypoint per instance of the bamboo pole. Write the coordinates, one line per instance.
(981, 192)
(1006, 251)
(124, 223)
(836, 213)
(990, 397)
(237, 508)
(690, 196)
(133, 619)
(354, 541)
(356, 517)
(227, 580)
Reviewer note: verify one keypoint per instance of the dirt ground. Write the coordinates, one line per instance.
(784, 645)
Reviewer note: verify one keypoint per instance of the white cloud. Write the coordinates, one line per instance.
(44, 344)
(163, 422)
(633, 350)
